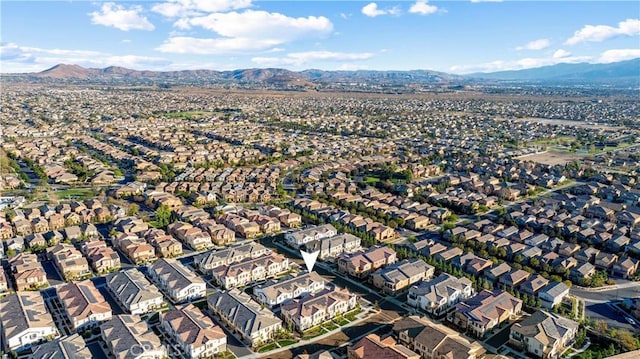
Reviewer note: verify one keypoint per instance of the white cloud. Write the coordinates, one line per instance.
(262, 24)
(218, 46)
(423, 8)
(560, 53)
(535, 45)
(520, 64)
(17, 58)
(245, 31)
(183, 8)
(616, 55)
(304, 58)
(599, 33)
(117, 16)
(372, 10)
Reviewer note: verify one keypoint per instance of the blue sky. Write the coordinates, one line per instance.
(451, 36)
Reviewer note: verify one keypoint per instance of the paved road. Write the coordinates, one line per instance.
(599, 302)
(610, 314)
(607, 294)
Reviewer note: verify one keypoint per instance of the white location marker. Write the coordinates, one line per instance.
(309, 259)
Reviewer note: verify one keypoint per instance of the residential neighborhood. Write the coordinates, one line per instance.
(459, 224)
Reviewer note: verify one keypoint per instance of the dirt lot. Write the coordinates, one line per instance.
(552, 158)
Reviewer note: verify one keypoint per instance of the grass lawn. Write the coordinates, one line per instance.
(553, 141)
(267, 347)
(75, 193)
(343, 322)
(371, 180)
(351, 316)
(330, 326)
(285, 342)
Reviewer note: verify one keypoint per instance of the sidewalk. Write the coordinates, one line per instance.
(609, 287)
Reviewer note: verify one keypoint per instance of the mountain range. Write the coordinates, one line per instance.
(626, 71)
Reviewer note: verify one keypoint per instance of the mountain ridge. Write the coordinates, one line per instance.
(628, 71)
(569, 71)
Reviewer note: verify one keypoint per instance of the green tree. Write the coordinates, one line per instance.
(133, 209)
(163, 215)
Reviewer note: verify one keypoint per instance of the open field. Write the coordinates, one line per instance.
(548, 121)
(552, 157)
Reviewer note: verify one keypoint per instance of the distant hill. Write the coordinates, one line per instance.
(360, 80)
(271, 77)
(626, 70)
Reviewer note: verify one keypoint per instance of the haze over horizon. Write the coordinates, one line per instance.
(456, 37)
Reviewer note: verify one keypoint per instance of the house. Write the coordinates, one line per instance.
(618, 243)
(314, 309)
(373, 346)
(104, 259)
(553, 294)
(401, 275)
(290, 220)
(434, 341)
(586, 255)
(362, 263)
(135, 248)
(605, 261)
(72, 233)
(488, 309)
(418, 223)
(582, 271)
(625, 267)
(301, 237)
(6, 231)
(128, 337)
(534, 284)
(27, 272)
(244, 316)
(568, 249)
(69, 261)
(274, 293)
(449, 254)
(35, 241)
(195, 333)
(220, 235)
(334, 246)
(72, 346)
(496, 272)
(513, 278)
(83, 304)
(206, 262)
(194, 237)
(134, 292)
(250, 270)
(25, 321)
(437, 295)
(174, 279)
(248, 230)
(543, 335)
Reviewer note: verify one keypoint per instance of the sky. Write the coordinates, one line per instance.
(463, 36)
